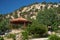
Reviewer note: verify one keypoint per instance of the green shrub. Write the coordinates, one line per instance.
(49, 17)
(37, 29)
(25, 35)
(36, 36)
(54, 37)
(11, 36)
(1, 38)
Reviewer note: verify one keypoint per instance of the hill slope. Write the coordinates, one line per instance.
(31, 11)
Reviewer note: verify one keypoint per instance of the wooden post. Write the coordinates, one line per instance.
(24, 24)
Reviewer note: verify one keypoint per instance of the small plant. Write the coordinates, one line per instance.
(25, 35)
(1, 38)
(54, 37)
(11, 36)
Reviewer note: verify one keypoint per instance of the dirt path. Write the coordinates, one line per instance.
(39, 39)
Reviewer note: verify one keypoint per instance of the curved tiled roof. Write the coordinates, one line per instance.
(19, 20)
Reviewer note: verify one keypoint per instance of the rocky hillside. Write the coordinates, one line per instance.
(30, 11)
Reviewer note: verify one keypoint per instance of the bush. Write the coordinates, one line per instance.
(25, 35)
(37, 29)
(1, 38)
(11, 36)
(4, 26)
(54, 37)
(49, 17)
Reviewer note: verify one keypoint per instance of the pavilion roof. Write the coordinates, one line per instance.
(19, 20)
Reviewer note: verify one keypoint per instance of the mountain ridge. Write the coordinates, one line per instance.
(30, 10)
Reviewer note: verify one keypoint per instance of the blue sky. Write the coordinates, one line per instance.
(7, 6)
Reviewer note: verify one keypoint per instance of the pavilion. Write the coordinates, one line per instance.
(20, 20)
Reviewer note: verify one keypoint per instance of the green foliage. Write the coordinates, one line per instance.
(14, 14)
(58, 10)
(48, 17)
(37, 29)
(54, 37)
(4, 25)
(1, 38)
(44, 2)
(25, 35)
(1, 17)
(10, 36)
(55, 26)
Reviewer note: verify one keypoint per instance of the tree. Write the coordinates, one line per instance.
(48, 17)
(58, 10)
(55, 3)
(50, 2)
(1, 17)
(1, 38)
(4, 26)
(54, 37)
(44, 2)
(36, 29)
